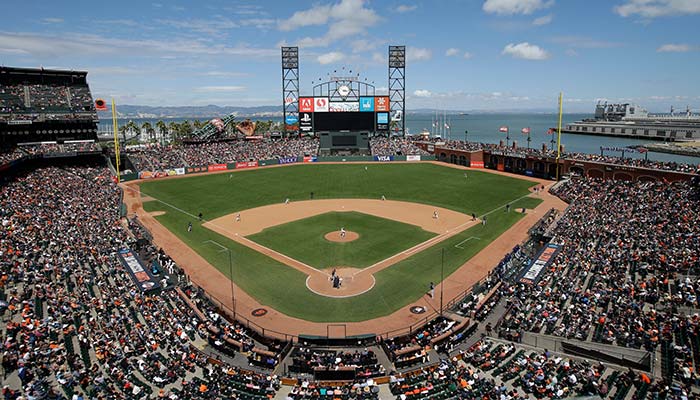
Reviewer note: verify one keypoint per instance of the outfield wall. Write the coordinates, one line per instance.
(198, 169)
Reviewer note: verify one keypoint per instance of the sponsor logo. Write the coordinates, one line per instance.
(306, 104)
(306, 122)
(381, 103)
(287, 160)
(366, 104)
(320, 104)
(288, 127)
(310, 159)
(413, 158)
(194, 170)
(476, 164)
(338, 106)
(289, 100)
(344, 91)
(397, 115)
(291, 119)
(180, 171)
(306, 118)
(383, 158)
(259, 312)
(217, 167)
(383, 118)
(246, 164)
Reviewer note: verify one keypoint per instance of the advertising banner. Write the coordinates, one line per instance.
(383, 158)
(141, 276)
(291, 119)
(500, 167)
(179, 171)
(321, 104)
(287, 160)
(194, 170)
(412, 158)
(366, 103)
(246, 164)
(382, 121)
(306, 104)
(306, 122)
(341, 106)
(381, 104)
(310, 159)
(476, 164)
(217, 167)
(543, 260)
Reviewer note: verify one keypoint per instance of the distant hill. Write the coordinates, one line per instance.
(137, 111)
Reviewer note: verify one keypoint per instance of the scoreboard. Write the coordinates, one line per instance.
(368, 113)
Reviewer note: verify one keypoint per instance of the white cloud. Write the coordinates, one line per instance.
(418, 54)
(329, 58)
(72, 45)
(510, 7)
(525, 51)
(452, 52)
(658, 8)
(218, 89)
(404, 8)
(346, 18)
(224, 74)
(379, 58)
(422, 93)
(52, 20)
(571, 52)
(542, 20)
(674, 48)
(585, 42)
(467, 55)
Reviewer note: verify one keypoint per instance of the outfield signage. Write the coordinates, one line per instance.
(310, 159)
(306, 104)
(413, 158)
(320, 104)
(195, 170)
(246, 164)
(341, 106)
(287, 160)
(306, 122)
(367, 104)
(291, 119)
(383, 158)
(141, 276)
(543, 260)
(217, 167)
(381, 104)
(476, 164)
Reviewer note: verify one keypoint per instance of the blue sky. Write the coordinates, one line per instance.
(463, 54)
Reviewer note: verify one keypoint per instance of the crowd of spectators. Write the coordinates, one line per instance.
(156, 157)
(60, 148)
(360, 390)
(75, 323)
(306, 360)
(636, 162)
(9, 154)
(393, 146)
(45, 99)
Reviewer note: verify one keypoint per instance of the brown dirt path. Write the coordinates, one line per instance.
(217, 285)
(337, 236)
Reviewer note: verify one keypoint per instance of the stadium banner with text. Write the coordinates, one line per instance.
(246, 164)
(320, 104)
(180, 171)
(381, 103)
(306, 122)
(287, 160)
(476, 164)
(196, 169)
(382, 121)
(310, 159)
(141, 276)
(543, 260)
(412, 158)
(342, 106)
(366, 104)
(156, 174)
(383, 158)
(306, 104)
(217, 167)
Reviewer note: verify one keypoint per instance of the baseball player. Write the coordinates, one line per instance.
(238, 217)
(342, 233)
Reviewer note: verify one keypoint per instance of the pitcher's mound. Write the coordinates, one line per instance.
(335, 236)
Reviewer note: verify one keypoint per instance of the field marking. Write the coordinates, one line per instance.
(214, 242)
(459, 245)
(374, 282)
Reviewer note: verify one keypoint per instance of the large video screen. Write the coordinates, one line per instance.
(340, 141)
(342, 121)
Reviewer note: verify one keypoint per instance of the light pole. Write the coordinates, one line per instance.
(466, 132)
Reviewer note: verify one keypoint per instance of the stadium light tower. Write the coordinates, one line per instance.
(397, 86)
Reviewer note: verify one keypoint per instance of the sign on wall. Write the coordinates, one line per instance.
(321, 104)
(341, 106)
(366, 104)
(306, 104)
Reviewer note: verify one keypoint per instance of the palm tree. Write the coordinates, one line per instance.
(174, 127)
(186, 128)
(148, 129)
(162, 127)
(131, 126)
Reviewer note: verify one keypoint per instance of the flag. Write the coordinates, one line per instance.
(447, 126)
(525, 131)
(550, 131)
(503, 129)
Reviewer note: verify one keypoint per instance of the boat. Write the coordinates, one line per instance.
(627, 120)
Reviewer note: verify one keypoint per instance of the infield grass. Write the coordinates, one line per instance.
(283, 288)
(304, 239)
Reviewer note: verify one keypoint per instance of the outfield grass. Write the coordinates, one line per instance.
(283, 288)
(304, 239)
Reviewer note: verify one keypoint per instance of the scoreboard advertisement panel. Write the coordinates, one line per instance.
(366, 113)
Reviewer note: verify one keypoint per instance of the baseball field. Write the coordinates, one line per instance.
(282, 254)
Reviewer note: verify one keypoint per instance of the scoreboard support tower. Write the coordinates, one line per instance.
(290, 89)
(397, 87)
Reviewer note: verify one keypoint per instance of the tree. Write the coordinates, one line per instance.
(148, 129)
(162, 128)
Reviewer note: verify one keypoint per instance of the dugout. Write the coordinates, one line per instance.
(343, 143)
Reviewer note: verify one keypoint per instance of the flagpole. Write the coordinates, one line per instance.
(528, 138)
(561, 107)
(116, 138)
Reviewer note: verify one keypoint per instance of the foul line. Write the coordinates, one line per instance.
(459, 245)
(214, 242)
